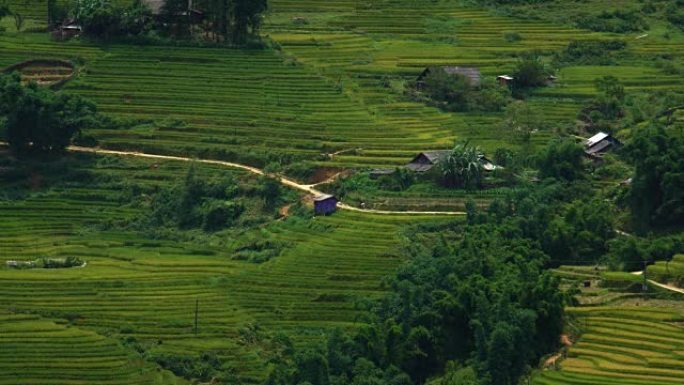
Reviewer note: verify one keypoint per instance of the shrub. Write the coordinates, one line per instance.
(512, 37)
(401, 179)
(220, 214)
(57, 263)
(562, 159)
(590, 52)
(40, 120)
(530, 71)
(615, 21)
(455, 92)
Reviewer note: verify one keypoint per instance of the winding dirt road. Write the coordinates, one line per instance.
(307, 188)
(662, 285)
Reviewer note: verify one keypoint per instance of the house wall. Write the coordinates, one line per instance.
(327, 206)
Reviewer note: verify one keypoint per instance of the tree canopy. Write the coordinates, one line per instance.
(40, 120)
(463, 166)
(657, 189)
(561, 159)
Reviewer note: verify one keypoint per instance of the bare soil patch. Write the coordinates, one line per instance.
(325, 174)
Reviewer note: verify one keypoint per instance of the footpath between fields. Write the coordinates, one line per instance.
(307, 188)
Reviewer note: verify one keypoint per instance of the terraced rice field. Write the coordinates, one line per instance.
(336, 84)
(141, 288)
(38, 351)
(625, 345)
(671, 272)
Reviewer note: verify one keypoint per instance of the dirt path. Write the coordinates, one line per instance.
(565, 340)
(284, 211)
(662, 285)
(330, 179)
(309, 189)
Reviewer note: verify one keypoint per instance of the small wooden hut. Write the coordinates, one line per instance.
(504, 80)
(325, 204)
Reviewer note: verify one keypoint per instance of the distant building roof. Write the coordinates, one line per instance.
(488, 165)
(595, 139)
(598, 147)
(471, 73)
(600, 143)
(323, 197)
(426, 160)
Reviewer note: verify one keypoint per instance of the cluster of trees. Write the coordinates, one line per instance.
(657, 189)
(231, 21)
(39, 120)
(530, 71)
(222, 20)
(472, 305)
(589, 52)
(106, 20)
(209, 204)
(603, 113)
(455, 92)
(619, 21)
(463, 167)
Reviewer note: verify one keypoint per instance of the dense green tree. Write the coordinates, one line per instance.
(529, 72)
(312, 368)
(4, 11)
(455, 374)
(247, 17)
(270, 191)
(462, 167)
(455, 92)
(40, 120)
(561, 159)
(173, 12)
(103, 19)
(657, 189)
(521, 121)
(604, 111)
(195, 203)
(474, 295)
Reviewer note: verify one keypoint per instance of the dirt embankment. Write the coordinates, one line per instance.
(565, 340)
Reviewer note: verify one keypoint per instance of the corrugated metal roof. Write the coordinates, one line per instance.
(323, 197)
(473, 74)
(436, 156)
(599, 147)
(596, 138)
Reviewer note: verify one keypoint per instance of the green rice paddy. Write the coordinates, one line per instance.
(623, 345)
(134, 287)
(336, 83)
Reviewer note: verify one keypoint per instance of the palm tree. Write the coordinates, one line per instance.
(463, 167)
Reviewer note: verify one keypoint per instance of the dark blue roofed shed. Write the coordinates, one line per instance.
(325, 204)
